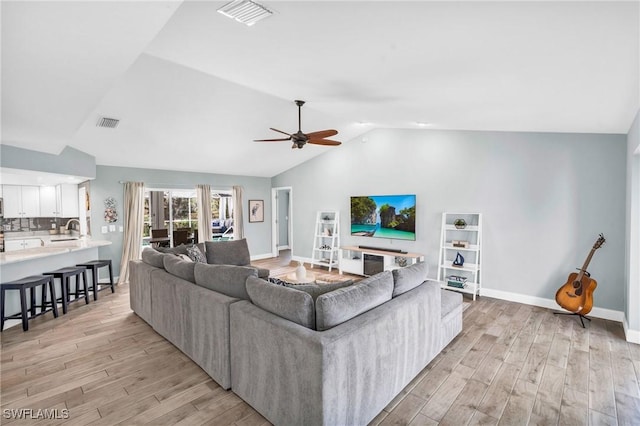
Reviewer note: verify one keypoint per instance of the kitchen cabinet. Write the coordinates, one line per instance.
(21, 201)
(14, 245)
(48, 201)
(59, 201)
(68, 200)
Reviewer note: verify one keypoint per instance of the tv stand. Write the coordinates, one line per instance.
(381, 249)
(364, 260)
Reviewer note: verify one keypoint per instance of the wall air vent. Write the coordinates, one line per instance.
(110, 123)
(245, 11)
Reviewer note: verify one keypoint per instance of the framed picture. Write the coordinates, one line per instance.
(256, 211)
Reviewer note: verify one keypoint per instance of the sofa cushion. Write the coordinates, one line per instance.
(449, 300)
(180, 268)
(341, 305)
(405, 279)
(293, 305)
(316, 290)
(153, 257)
(181, 249)
(233, 252)
(225, 279)
(196, 255)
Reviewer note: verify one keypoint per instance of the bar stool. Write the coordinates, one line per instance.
(65, 274)
(94, 265)
(22, 285)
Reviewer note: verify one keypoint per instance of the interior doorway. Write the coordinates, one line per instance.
(282, 226)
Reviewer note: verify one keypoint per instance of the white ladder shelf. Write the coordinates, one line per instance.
(468, 242)
(326, 239)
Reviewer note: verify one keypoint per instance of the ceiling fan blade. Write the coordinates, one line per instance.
(324, 142)
(280, 131)
(322, 134)
(271, 140)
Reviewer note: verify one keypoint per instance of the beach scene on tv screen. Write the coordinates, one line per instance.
(384, 216)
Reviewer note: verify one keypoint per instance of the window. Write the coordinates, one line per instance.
(176, 209)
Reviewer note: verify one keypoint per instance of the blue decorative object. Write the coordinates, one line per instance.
(459, 261)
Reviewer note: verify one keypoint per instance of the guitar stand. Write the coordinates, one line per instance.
(571, 313)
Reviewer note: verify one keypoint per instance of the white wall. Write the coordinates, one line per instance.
(632, 258)
(545, 198)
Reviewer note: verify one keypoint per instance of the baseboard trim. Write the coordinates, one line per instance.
(262, 256)
(602, 313)
(633, 336)
(286, 247)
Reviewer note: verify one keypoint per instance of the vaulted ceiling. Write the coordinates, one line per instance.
(193, 88)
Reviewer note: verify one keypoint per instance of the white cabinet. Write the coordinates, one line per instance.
(326, 239)
(461, 238)
(68, 200)
(48, 201)
(364, 261)
(14, 245)
(21, 201)
(59, 201)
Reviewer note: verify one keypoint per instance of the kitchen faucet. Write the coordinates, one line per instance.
(73, 220)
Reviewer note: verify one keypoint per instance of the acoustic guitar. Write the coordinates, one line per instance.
(576, 295)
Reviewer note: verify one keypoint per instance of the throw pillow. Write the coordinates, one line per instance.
(184, 257)
(233, 252)
(180, 268)
(341, 305)
(153, 257)
(285, 302)
(196, 255)
(405, 279)
(226, 279)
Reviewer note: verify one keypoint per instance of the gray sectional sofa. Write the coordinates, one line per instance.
(299, 355)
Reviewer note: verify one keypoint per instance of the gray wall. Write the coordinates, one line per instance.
(632, 268)
(69, 162)
(544, 197)
(107, 184)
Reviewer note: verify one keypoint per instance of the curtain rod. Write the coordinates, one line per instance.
(186, 185)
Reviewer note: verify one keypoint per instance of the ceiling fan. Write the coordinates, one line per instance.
(301, 139)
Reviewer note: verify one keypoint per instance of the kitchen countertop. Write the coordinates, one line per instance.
(52, 245)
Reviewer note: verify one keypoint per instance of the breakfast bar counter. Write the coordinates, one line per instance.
(47, 249)
(51, 255)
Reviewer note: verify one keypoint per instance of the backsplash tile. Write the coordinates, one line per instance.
(32, 224)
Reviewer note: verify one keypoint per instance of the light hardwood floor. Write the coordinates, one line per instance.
(512, 365)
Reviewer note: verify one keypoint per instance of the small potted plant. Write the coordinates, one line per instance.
(460, 223)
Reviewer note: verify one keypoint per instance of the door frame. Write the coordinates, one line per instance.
(274, 218)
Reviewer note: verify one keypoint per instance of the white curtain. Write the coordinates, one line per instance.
(203, 199)
(238, 219)
(133, 226)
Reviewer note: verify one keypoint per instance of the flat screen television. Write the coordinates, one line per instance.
(384, 216)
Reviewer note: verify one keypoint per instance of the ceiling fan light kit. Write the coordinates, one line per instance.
(300, 139)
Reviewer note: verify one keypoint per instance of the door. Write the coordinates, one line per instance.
(12, 200)
(282, 219)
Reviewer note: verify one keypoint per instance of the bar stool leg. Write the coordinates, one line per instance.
(23, 305)
(2, 308)
(86, 285)
(32, 298)
(94, 272)
(65, 295)
(54, 303)
(113, 290)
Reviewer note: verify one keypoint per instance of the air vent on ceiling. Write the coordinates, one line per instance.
(245, 11)
(110, 123)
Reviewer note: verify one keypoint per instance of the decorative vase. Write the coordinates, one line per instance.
(301, 273)
(460, 223)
